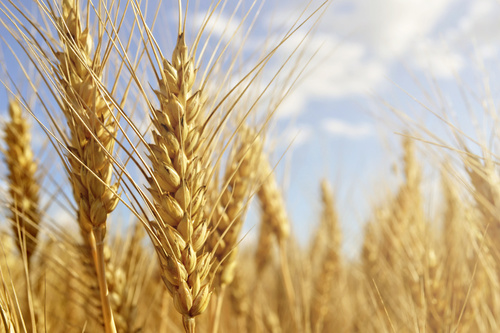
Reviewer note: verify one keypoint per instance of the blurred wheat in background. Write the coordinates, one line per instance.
(153, 162)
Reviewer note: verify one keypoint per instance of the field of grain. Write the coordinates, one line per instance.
(157, 153)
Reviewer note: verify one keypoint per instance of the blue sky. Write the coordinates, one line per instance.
(368, 51)
(376, 50)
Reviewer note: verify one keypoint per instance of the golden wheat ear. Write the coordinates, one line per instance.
(92, 130)
(228, 216)
(178, 188)
(328, 275)
(24, 188)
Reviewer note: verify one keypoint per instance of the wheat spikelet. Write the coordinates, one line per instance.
(370, 250)
(92, 130)
(395, 246)
(178, 187)
(408, 227)
(23, 186)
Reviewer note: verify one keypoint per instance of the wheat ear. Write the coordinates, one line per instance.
(23, 186)
(274, 220)
(228, 217)
(178, 187)
(328, 275)
(92, 137)
(272, 203)
(274, 223)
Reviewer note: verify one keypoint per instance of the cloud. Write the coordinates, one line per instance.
(340, 69)
(220, 26)
(481, 23)
(359, 41)
(344, 129)
(389, 28)
(294, 136)
(438, 59)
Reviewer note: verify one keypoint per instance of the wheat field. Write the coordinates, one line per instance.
(156, 149)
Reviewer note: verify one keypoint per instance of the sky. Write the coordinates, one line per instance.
(336, 124)
(390, 50)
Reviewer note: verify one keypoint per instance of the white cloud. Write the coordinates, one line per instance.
(294, 136)
(220, 26)
(61, 217)
(475, 26)
(388, 27)
(481, 23)
(359, 42)
(437, 59)
(339, 69)
(292, 105)
(341, 128)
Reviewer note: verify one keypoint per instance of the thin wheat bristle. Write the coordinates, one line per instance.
(24, 188)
